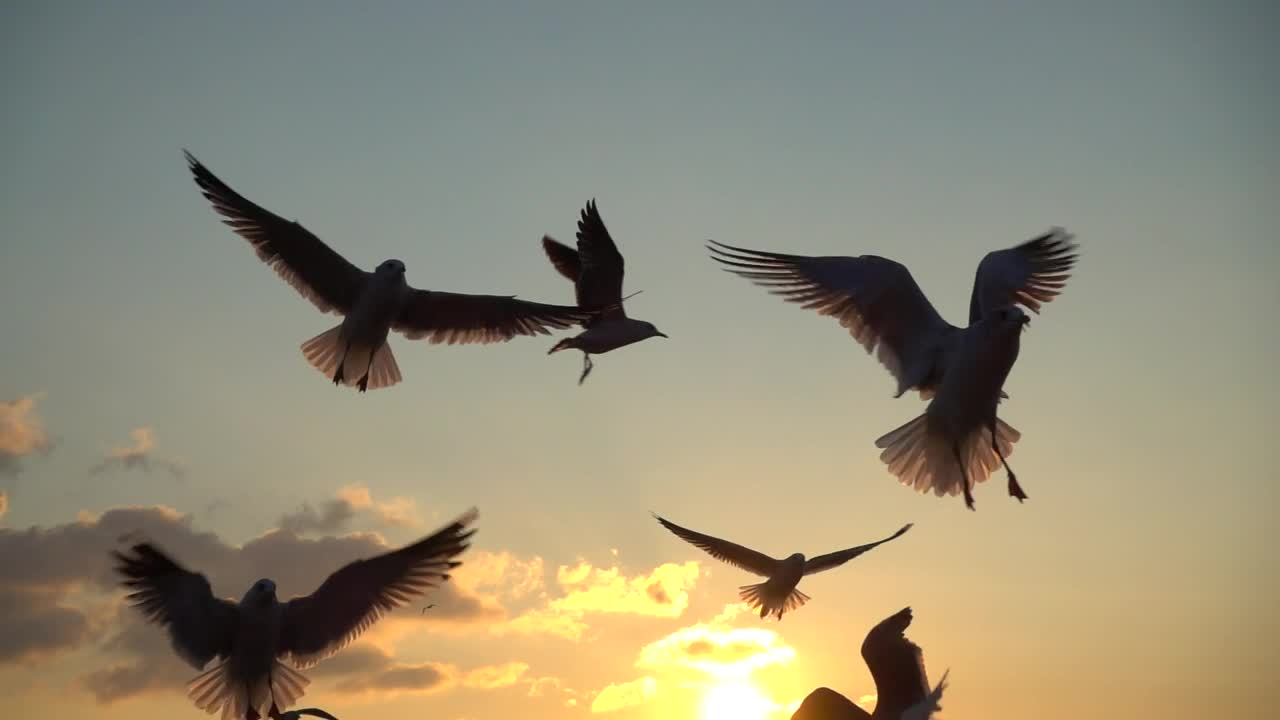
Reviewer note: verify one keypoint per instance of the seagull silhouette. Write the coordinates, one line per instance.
(596, 269)
(356, 351)
(251, 637)
(897, 666)
(779, 593)
(958, 441)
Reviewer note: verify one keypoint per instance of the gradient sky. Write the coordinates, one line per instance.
(1135, 582)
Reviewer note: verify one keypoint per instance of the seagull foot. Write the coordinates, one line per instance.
(587, 365)
(1015, 490)
(968, 499)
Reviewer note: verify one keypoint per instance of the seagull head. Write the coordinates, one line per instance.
(1009, 318)
(391, 268)
(263, 592)
(651, 331)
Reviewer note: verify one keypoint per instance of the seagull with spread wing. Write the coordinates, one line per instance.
(779, 593)
(958, 441)
(595, 269)
(897, 666)
(252, 637)
(356, 351)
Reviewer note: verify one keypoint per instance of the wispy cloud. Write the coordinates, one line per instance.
(22, 432)
(664, 592)
(624, 695)
(369, 674)
(336, 514)
(4, 504)
(141, 455)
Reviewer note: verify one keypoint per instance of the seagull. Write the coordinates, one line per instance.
(252, 637)
(897, 666)
(779, 593)
(957, 442)
(372, 304)
(595, 269)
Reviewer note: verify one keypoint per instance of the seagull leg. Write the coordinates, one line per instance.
(337, 375)
(964, 476)
(586, 367)
(1015, 490)
(364, 382)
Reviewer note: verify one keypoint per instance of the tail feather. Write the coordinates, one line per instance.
(327, 351)
(922, 458)
(383, 372)
(213, 691)
(925, 709)
(758, 596)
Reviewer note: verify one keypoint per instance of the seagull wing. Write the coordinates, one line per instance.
(350, 600)
(876, 299)
(564, 258)
(838, 558)
(600, 279)
(896, 665)
(1031, 274)
(314, 269)
(723, 550)
(459, 318)
(200, 626)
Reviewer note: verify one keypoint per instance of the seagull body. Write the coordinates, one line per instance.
(251, 637)
(356, 353)
(959, 440)
(596, 269)
(897, 666)
(779, 594)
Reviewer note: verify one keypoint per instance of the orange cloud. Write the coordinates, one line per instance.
(624, 695)
(664, 592)
(140, 455)
(21, 432)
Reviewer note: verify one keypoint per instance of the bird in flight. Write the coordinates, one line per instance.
(253, 638)
(897, 666)
(779, 593)
(372, 304)
(595, 269)
(958, 441)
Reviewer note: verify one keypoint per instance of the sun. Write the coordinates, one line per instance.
(735, 700)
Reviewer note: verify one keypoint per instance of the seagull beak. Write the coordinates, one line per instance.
(662, 334)
(1026, 319)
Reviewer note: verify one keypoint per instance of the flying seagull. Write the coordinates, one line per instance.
(372, 304)
(253, 637)
(779, 593)
(897, 666)
(958, 441)
(595, 269)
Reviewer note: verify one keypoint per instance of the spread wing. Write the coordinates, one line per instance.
(876, 299)
(600, 280)
(314, 269)
(563, 257)
(350, 600)
(896, 665)
(723, 550)
(200, 626)
(838, 558)
(1030, 274)
(458, 318)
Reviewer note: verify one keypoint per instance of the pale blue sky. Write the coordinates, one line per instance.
(452, 136)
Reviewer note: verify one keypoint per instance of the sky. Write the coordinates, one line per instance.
(151, 378)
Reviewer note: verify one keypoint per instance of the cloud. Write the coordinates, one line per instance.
(138, 456)
(4, 504)
(22, 433)
(624, 695)
(368, 673)
(337, 513)
(664, 592)
(704, 655)
(58, 593)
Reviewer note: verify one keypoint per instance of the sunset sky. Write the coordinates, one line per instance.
(152, 379)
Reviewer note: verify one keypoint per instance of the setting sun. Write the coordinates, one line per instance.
(735, 700)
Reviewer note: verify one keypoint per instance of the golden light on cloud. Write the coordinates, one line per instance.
(718, 651)
(735, 700)
(624, 695)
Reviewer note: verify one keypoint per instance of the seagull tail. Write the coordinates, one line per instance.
(332, 354)
(925, 709)
(761, 596)
(921, 456)
(287, 685)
